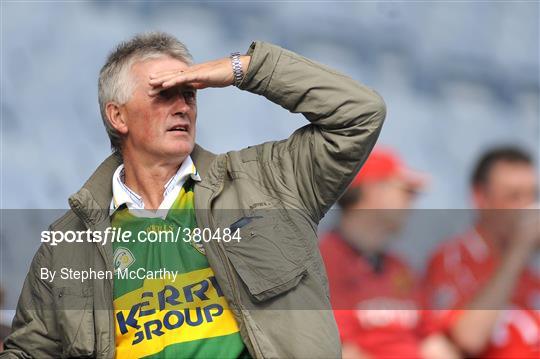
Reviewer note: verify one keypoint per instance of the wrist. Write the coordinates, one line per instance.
(239, 67)
(245, 60)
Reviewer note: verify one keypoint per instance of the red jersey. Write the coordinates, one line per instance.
(458, 269)
(375, 309)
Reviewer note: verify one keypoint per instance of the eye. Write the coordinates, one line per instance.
(170, 93)
(167, 94)
(189, 95)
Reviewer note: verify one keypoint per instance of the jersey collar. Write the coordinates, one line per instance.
(123, 195)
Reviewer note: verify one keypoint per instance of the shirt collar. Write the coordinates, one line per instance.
(187, 169)
(122, 194)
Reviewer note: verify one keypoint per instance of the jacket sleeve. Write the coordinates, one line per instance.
(33, 332)
(318, 161)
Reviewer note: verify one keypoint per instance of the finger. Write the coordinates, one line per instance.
(165, 73)
(189, 85)
(161, 79)
(158, 74)
(181, 79)
(165, 78)
(199, 85)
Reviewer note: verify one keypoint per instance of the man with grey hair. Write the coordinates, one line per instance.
(246, 278)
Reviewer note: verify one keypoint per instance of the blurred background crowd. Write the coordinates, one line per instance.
(479, 295)
(416, 242)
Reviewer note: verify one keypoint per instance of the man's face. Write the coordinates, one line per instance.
(509, 187)
(388, 200)
(393, 193)
(162, 126)
(383, 206)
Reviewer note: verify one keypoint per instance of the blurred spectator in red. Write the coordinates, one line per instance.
(484, 275)
(375, 295)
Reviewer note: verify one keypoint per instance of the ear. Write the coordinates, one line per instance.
(116, 117)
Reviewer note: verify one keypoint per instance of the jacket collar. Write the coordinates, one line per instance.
(91, 203)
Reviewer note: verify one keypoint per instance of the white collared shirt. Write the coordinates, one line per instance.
(122, 194)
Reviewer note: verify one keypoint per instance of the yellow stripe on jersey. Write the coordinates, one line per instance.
(165, 312)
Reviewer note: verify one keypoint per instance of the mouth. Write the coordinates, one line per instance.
(179, 128)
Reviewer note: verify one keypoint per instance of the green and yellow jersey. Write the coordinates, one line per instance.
(162, 316)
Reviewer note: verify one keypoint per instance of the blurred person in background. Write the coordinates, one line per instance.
(374, 293)
(482, 279)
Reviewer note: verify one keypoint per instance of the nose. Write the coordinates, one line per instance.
(181, 105)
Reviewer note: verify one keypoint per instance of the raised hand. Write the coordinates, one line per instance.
(217, 73)
(528, 228)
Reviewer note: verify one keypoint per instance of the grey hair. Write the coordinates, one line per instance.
(115, 83)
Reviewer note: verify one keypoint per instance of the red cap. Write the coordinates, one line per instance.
(383, 164)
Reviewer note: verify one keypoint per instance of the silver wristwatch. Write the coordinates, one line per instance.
(237, 68)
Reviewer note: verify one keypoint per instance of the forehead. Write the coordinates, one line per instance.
(512, 173)
(142, 69)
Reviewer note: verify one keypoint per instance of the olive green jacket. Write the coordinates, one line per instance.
(273, 278)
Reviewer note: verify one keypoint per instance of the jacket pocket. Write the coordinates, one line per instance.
(74, 310)
(269, 255)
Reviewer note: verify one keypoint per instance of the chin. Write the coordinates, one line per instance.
(180, 149)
